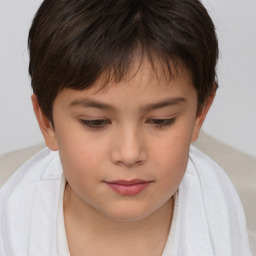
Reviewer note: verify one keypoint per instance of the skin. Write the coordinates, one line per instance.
(134, 141)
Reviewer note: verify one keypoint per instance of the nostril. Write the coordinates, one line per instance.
(129, 150)
(130, 164)
(129, 158)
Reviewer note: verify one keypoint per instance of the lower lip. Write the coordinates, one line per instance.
(128, 190)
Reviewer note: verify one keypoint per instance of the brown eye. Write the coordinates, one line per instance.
(95, 124)
(160, 123)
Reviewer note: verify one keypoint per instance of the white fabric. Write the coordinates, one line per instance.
(209, 221)
(62, 242)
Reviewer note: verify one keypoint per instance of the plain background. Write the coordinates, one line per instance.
(232, 118)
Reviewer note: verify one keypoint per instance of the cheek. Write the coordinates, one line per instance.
(171, 156)
(80, 159)
(171, 163)
(80, 166)
(78, 147)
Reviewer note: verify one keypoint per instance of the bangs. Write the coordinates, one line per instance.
(73, 43)
(123, 64)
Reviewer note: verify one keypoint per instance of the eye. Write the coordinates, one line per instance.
(95, 124)
(161, 123)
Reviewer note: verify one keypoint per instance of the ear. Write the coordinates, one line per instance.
(45, 125)
(201, 116)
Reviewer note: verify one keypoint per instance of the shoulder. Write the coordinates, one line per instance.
(208, 171)
(37, 167)
(214, 182)
(11, 162)
(28, 203)
(223, 210)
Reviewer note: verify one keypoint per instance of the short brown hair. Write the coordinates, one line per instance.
(73, 42)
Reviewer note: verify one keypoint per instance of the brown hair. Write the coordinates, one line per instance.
(73, 42)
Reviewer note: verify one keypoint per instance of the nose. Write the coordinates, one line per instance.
(128, 148)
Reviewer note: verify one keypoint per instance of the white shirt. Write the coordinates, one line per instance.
(62, 242)
(209, 218)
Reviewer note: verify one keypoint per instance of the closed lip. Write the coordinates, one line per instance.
(128, 182)
(128, 187)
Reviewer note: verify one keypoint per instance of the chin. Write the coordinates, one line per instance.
(127, 214)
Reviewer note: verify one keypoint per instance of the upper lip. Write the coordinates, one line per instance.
(127, 182)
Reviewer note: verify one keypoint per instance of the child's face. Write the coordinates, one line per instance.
(137, 131)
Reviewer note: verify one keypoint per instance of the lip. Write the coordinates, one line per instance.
(128, 187)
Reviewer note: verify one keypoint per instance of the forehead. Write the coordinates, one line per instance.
(144, 73)
(141, 85)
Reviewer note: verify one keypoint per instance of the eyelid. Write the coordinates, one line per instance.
(95, 123)
(167, 122)
(159, 123)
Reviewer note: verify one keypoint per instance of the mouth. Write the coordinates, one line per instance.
(128, 187)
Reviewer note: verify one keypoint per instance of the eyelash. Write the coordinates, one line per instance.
(162, 123)
(102, 123)
(95, 124)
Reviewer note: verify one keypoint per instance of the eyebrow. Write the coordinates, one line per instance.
(89, 103)
(165, 103)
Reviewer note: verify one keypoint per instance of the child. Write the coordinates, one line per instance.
(121, 89)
